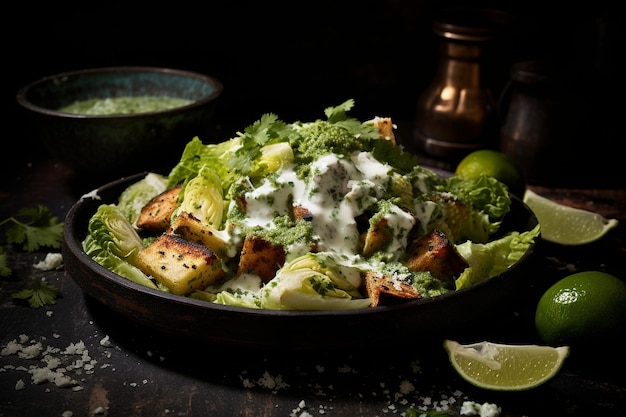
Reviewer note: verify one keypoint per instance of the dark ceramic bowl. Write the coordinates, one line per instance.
(121, 143)
(227, 326)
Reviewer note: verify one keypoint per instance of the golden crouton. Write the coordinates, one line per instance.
(155, 216)
(261, 258)
(385, 289)
(180, 265)
(385, 126)
(192, 229)
(435, 253)
(302, 213)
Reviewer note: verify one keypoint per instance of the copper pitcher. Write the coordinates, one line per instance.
(456, 114)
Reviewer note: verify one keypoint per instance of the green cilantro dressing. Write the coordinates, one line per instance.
(124, 105)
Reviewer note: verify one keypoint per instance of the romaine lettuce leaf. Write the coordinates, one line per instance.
(489, 259)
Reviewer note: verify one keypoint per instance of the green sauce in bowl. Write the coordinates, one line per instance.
(125, 105)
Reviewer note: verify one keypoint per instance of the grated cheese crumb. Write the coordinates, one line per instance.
(92, 194)
(471, 408)
(51, 262)
(19, 385)
(30, 352)
(52, 364)
(105, 341)
(406, 387)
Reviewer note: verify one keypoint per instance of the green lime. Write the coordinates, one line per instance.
(505, 367)
(567, 225)
(584, 307)
(494, 164)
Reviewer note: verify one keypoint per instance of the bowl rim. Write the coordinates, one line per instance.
(217, 85)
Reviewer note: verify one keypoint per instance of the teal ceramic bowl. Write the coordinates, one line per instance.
(115, 144)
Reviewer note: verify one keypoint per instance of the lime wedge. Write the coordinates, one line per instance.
(567, 225)
(503, 367)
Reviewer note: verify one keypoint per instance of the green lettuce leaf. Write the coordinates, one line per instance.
(489, 259)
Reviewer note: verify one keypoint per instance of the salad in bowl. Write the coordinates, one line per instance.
(330, 214)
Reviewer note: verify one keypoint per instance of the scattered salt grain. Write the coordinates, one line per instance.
(300, 411)
(272, 382)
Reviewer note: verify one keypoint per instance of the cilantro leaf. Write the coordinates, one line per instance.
(38, 294)
(336, 114)
(269, 129)
(5, 271)
(35, 227)
(385, 150)
(260, 131)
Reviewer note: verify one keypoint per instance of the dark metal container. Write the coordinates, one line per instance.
(456, 114)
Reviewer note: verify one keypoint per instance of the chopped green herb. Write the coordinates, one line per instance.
(38, 294)
(33, 228)
(5, 271)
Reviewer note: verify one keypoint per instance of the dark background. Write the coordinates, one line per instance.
(297, 58)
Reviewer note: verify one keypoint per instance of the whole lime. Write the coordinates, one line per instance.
(582, 308)
(494, 164)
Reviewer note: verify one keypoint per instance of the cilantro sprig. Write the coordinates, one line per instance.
(33, 228)
(38, 293)
(5, 271)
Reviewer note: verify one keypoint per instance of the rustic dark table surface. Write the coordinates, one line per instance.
(124, 369)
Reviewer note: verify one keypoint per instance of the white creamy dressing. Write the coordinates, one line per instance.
(424, 212)
(337, 191)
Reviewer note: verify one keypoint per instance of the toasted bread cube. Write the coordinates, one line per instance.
(385, 126)
(435, 253)
(190, 228)
(155, 216)
(180, 265)
(385, 289)
(302, 213)
(261, 258)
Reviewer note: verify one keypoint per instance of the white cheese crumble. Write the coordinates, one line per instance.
(399, 397)
(49, 363)
(51, 262)
(92, 195)
(105, 341)
(471, 408)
